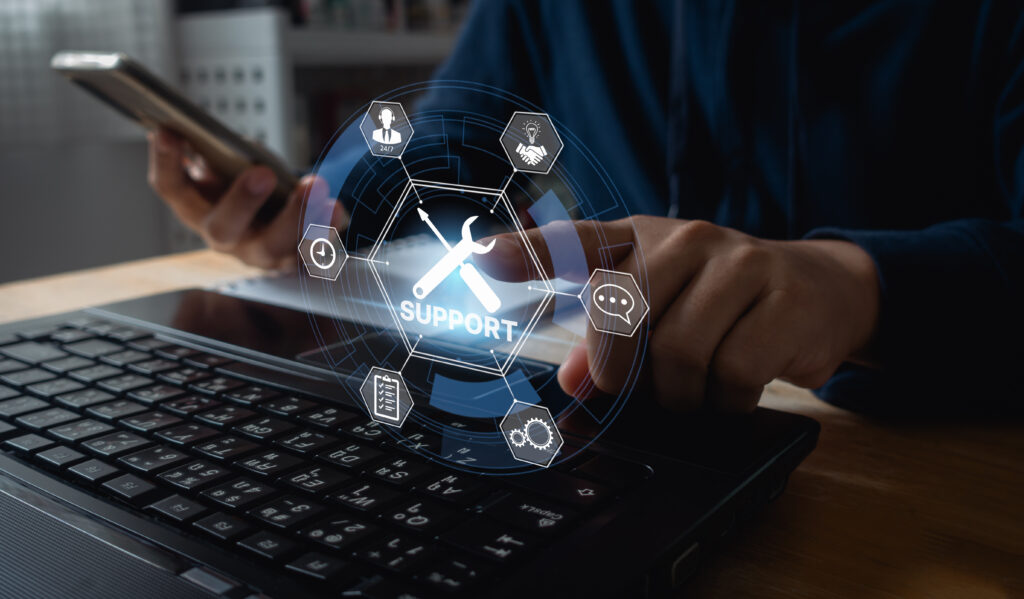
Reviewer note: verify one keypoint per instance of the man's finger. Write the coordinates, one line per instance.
(167, 177)
(601, 245)
(232, 216)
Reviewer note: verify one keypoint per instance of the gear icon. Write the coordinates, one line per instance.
(538, 434)
(517, 437)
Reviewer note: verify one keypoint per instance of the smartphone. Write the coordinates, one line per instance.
(138, 94)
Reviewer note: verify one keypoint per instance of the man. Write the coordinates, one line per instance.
(851, 176)
(386, 135)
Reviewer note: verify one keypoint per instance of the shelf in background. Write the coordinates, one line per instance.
(325, 47)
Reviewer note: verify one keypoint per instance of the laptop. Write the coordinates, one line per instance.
(192, 444)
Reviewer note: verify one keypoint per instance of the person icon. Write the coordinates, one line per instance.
(386, 135)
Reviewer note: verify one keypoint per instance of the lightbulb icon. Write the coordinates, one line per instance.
(532, 129)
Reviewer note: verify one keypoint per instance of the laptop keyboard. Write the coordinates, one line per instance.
(289, 481)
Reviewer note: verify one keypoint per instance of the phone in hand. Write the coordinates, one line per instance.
(140, 95)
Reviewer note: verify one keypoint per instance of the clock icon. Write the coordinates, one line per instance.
(322, 253)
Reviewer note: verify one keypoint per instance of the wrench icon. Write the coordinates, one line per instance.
(455, 258)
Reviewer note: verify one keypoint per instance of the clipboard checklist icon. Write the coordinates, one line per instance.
(385, 397)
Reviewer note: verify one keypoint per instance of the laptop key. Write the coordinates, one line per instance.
(147, 344)
(93, 348)
(150, 421)
(70, 335)
(11, 366)
(95, 373)
(351, 456)
(24, 378)
(396, 552)
(452, 574)
(561, 487)
(532, 514)
(224, 527)
(125, 358)
(265, 428)
(339, 532)
(155, 394)
(131, 488)
(39, 333)
(60, 457)
(115, 444)
(93, 471)
(288, 406)
(367, 431)
(287, 512)
(115, 410)
(326, 417)
(125, 334)
(153, 367)
(176, 352)
(32, 352)
(269, 463)
(83, 398)
(179, 509)
(205, 360)
(315, 479)
(20, 405)
(217, 385)
(366, 496)
(187, 434)
(7, 430)
(189, 404)
(239, 493)
(153, 459)
(319, 567)
(55, 387)
(28, 443)
(227, 447)
(402, 471)
(251, 395)
(269, 545)
(184, 376)
(80, 431)
(8, 392)
(65, 365)
(422, 516)
(225, 415)
(491, 540)
(457, 488)
(194, 475)
(306, 442)
(125, 383)
(38, 421)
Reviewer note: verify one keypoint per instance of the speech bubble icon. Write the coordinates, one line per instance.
(614, 301)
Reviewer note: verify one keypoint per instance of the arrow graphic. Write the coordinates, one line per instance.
(426, 218)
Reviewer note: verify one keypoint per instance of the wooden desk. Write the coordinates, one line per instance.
(878, 510)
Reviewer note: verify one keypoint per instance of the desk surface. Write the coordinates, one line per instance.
(878, 510)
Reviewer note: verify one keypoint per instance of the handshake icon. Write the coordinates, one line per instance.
(531, 155)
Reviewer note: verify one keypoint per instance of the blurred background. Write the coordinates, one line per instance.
(285, 72)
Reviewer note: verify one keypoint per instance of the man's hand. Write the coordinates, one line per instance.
(729, 312)
(222, 213)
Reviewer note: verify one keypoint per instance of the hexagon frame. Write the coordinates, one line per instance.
(585, 293)
(404, 388)
(369, 143)
(500, 368)
(336, 243)
(554, 431)
(561, 144)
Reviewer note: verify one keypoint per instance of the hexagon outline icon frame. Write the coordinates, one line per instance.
(500, 368)
(331, 232)
(586, 288)
(561, 144)
(554, 431)
(369, 143)
(401, 382)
